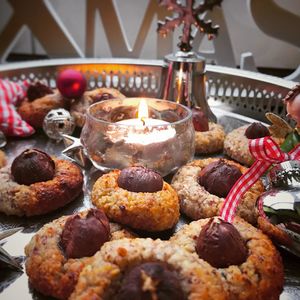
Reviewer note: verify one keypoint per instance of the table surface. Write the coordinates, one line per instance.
(14, 285)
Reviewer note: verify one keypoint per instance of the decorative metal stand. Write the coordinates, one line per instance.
(185, 82)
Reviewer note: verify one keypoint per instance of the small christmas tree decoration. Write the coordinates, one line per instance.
(279, 128)
(57, 122)
(188, 16)
(71, 83)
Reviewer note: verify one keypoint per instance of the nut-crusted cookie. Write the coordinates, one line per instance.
(41, 197)
(236, 145)
(196, 202)
(109, 276)
(210, 141)
(79, 107)
(49, 269)
(259, 277)
(34, 112)
(150, 211)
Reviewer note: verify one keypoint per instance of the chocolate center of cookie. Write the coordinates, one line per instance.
(140, 179)
(200, 120)
(38, 90)
(221, 245)
(218, 178)
(256, 130)
(150, 281)
(82, 237)
(32, 166)
(101, 97)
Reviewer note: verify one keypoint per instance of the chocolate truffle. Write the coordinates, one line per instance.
(148, 281)
(32, 166)
(218, 178)
(84, 237)
(140, 179)
(200, 120)
(220, 244)
(256, 130)
(38, 90)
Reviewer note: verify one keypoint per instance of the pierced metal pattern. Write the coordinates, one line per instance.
(247, 93)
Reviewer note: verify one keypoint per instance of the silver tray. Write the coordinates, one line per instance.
(232, 94)
(15, 284)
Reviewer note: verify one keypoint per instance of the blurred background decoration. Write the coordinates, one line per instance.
(254, 34)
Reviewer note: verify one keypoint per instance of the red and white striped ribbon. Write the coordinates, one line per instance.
(10, 121)
(266, 152)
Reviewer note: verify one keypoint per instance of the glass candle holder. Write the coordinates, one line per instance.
(147, 132)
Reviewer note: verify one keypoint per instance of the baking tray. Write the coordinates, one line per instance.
(14, 285)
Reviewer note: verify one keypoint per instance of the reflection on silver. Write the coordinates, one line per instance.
(2, 139)
(185, 81)
(75, 151)
(5, 257)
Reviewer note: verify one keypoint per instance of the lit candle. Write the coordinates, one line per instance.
(146, 130)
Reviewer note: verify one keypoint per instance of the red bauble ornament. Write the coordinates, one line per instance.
(71, 83)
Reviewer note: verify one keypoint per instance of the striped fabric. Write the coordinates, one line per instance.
(266, 152)
(10, 121)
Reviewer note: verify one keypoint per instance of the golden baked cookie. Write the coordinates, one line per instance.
(196, 202)
(147, 269)
(150, 211)
(274, 232)
(48, 267)
(2, 159)
(40, 197)
(34, 112)
(210, 141)
(259, 277)
(79, 107)
(236, 145)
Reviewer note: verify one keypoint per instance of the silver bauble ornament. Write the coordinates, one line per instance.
(57, 122)
(281, 203)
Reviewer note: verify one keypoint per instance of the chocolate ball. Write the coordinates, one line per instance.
(32, 166)
(140, 179)
(256, 130)
(38, 90)
(218, 178)
(82, 237)
(200, 120)
(221, 245)
(148, 281)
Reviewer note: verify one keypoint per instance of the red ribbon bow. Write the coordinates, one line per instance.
(266, 152)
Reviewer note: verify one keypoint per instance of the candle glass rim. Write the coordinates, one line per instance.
(189, 112)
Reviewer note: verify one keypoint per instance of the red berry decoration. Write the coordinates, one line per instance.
(71, 83)
(200, 120)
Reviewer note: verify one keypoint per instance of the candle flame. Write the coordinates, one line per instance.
(180, 76)
(143, 110)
